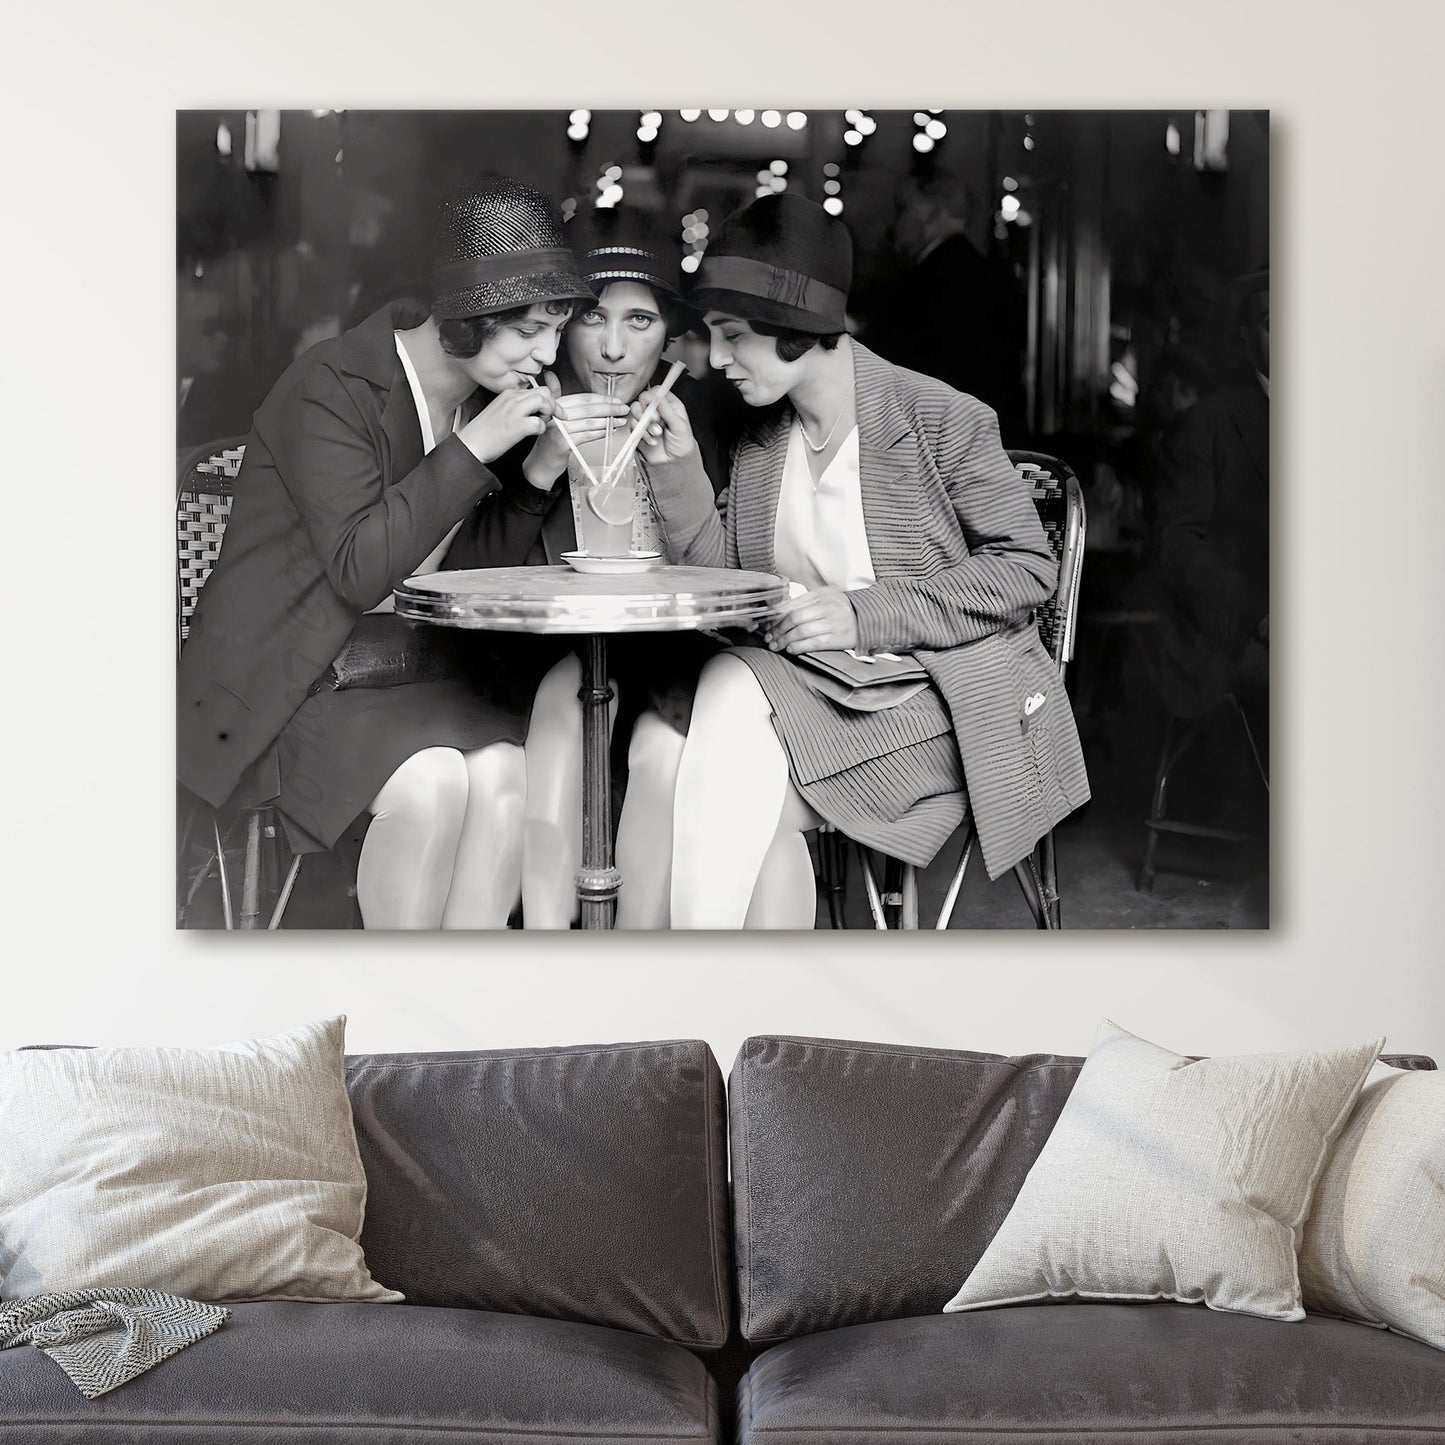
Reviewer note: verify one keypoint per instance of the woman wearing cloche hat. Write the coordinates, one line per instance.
(360, 464)
(886, 498)
(610, 353)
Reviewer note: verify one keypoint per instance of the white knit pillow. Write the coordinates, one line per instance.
(222, 1174)
(1374, 1244)
(1167, 1178)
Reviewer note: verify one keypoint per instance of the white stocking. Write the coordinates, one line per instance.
(487, 877)
(731, 787)
(405, 870)
(786, 893)
(644, 833)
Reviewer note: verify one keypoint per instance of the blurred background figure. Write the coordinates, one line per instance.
(1212, 531)
(955, 314)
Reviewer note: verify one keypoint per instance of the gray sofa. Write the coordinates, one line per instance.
(867, 1181)
(559, 1221)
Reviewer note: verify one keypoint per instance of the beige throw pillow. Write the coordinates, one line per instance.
(222, 1174)
(1374, 1244)
(1167, 1178)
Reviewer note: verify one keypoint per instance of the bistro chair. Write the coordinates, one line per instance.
(893, 887)
(204, 492)
(1181, 735)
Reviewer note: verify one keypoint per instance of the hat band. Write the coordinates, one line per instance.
(759, 278)
(461, 275)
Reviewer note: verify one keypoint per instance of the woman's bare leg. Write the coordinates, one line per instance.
(644, 832)
(407, 858)
(487, 876)
(786, 893)
(552, 828)
(731, 787)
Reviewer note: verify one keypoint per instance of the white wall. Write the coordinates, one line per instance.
(1359, 523)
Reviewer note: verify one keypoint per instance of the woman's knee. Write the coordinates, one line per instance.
(561, 683)
(431, 786)
(654, 743)
(728, 682)
(497, 772)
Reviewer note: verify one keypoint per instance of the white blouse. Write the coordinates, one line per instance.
(433, 560)
(819, 539)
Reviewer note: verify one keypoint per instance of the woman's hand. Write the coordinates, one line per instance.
(813, 622)
(585, 417)
(668, 437)
(506, 420)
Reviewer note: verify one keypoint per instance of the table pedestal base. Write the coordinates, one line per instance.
(597, 879)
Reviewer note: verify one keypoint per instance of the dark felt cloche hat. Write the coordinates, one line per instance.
(499, 245)
(784, 260)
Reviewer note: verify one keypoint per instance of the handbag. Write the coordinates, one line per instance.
(385, 650)
(862, 682)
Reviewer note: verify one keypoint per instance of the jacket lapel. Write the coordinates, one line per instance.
(757, 480)
(883, 461)
(374, 359)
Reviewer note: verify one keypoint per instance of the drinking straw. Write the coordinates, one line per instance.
(567, 438)
(609, 474)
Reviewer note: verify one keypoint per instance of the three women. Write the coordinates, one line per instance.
(883, 495)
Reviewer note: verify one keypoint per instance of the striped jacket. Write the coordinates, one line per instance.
(961, 562)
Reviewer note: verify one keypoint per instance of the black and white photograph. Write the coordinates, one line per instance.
(721, 519)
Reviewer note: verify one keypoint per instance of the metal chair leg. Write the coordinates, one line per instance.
(1049, 867)
(908, 914)
(1170, 753)
(951, 898)
(285, 895)
(1026, 871)
(221, 867)
(870, 882)
(251, 876)
(833, 872)
(1259, 765)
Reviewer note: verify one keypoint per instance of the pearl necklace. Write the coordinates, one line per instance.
(816, 447)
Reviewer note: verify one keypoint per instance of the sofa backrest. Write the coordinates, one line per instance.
(869, 1178)
(584, 1183)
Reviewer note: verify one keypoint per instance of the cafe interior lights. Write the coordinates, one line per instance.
(578, 125)
(832, 189)
(694, 238)
(609, 186)
(860, 126)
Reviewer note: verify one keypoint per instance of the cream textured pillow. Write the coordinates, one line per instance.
(1171, 1179)
(1374, 1244)
(222, 1174)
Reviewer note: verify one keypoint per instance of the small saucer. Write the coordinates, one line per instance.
(615, 566)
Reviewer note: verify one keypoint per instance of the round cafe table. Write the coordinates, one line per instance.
(558, 600)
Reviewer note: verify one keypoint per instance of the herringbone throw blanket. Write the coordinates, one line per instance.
(103, 1337)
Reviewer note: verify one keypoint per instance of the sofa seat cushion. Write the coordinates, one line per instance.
(1108, 1374)
(322, 1374)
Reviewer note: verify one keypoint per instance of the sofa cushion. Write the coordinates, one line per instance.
(575, 1183)
(219, 1173)
(318, 1374)
(1175, 1178)
(869, 1178)
(1374, 1244)
(1105, 1374)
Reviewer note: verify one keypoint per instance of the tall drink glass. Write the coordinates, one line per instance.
(603, 516)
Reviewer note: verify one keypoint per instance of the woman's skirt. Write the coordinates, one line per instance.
(891, 780)
(340, 747)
